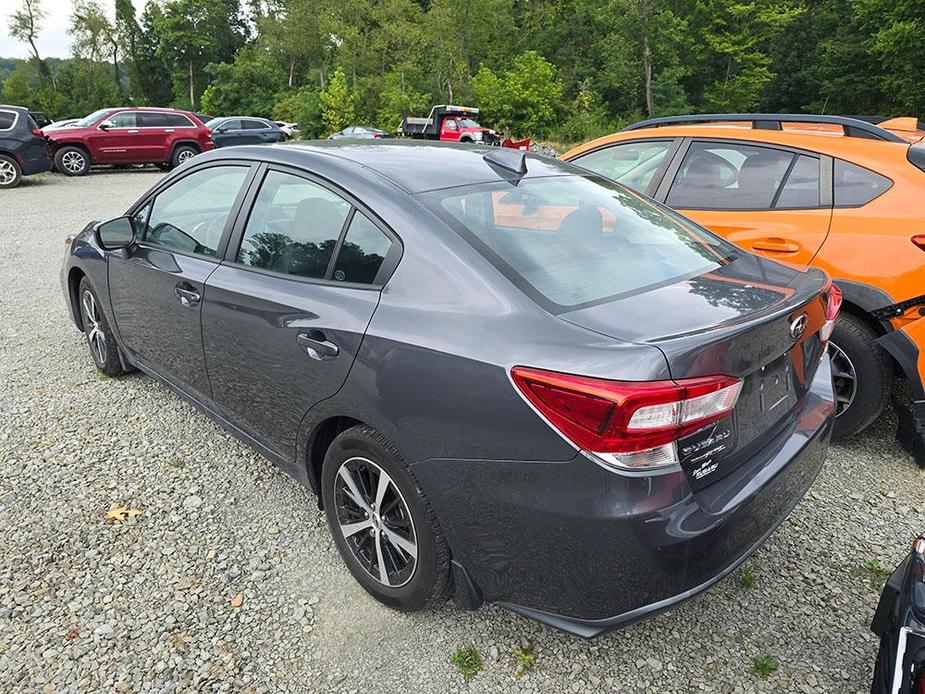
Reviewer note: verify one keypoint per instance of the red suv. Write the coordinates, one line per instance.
(161, 136)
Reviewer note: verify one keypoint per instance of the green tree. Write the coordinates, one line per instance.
(247, 86)
(526, 99)
(25, 25)
(337, 104)
(194, 33)
(739, 34)
(302, 106)
(895, 31)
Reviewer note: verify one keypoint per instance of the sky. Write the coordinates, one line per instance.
(53, 40)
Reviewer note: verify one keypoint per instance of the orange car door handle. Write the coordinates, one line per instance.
(775, 246)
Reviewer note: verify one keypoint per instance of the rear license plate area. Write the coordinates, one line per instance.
(703, 455)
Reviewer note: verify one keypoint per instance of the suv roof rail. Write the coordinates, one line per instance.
(772, 121)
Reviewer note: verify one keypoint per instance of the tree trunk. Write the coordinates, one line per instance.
(115, 66)
(321, 74)
(647, 71)
(291, 72)
(192, 91)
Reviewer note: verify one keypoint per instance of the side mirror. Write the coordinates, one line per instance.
(116, 234)
(106, 125)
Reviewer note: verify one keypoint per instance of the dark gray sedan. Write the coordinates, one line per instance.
(244, 130)
(504, 377)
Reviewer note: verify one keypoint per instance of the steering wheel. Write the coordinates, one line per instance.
(210, 231)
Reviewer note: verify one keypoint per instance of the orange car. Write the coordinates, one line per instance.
(835, 193)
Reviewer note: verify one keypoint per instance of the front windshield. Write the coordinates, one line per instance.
(87, 121)
(576, 240)
(468, 123)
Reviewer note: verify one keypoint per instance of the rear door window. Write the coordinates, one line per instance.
(293, 227)
(801, 189)
(362, 253)
(150, 119)
(633, 164)
(572, 241)
(855, 185)
(7, 118)
(253, 125)
(724, 176)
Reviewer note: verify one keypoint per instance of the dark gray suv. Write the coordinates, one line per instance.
(504, 377)
(23, 150)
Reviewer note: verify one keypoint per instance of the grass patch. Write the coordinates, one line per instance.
(764, 665)
(467, 661)
(177, 463)
(747, 576)
(877, 573)
(525, 660)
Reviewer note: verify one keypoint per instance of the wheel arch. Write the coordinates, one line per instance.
(74, 277)
(181, 143)
(319, 441)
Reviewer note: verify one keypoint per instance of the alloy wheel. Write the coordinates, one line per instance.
(95, 335)
(73, 161)
(184, 155)
(844, 377)
(7, 172)
(375, 522)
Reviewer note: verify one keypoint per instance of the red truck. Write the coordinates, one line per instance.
(450, 124)
(162, 136)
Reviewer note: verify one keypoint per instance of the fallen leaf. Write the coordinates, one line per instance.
(118, 514)
(237, 600)
(72, 634)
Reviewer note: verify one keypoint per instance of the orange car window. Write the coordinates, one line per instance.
(724, 176)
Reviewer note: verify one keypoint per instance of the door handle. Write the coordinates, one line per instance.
(169, 130)
(132, 131)
(775, 245)
(317, 345)
(186, 295)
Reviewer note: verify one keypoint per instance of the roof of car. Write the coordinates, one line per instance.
(414, 165)
(21, 109)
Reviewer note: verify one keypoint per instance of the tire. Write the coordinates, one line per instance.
(10, 172)
(182, 154)
(72, 161)
(408, 586)
(100, 340)
(853, 351)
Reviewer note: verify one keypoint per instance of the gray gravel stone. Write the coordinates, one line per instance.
(145, 606)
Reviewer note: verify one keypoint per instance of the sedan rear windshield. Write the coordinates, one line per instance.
(572, 241)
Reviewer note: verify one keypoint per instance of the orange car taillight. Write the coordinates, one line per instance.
(628, 424)
(833, 300)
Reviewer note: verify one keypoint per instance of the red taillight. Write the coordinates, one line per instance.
(377, 135)
(37, 132)
(832, 298)
(919, 240)
(208, 134)
(627, 423)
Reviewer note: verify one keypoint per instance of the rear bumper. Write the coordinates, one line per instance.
(36, 163)
(585, 549)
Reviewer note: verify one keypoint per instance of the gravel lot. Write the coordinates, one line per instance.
(228, 581)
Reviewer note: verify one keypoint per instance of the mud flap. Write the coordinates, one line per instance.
(907, 347)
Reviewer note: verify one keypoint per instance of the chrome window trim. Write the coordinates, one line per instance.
(15, 119)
